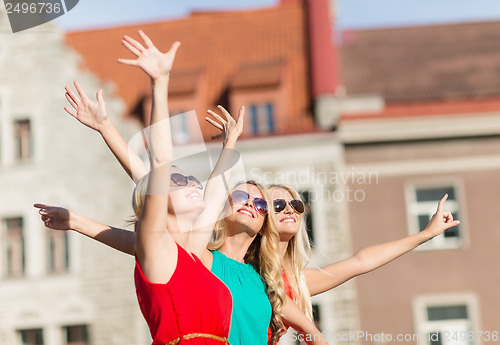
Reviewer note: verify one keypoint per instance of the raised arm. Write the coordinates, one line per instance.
(93, 115)
(371, 258)
(216, 189)
(295, 317)
(59, 218)
(156, 250)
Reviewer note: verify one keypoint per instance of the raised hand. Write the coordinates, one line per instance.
(56, 218)
(155, 63)
(441, 221)
(230, 128)
(91, 114)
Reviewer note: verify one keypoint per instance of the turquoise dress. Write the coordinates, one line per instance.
(251, 308)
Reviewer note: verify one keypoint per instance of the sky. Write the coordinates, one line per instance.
(350, 13)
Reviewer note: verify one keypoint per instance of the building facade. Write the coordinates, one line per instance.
(423, 116)
(58, 287)
(63, 288)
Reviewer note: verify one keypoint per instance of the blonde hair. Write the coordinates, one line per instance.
(138, 197)
(263, 255)
(297, 256)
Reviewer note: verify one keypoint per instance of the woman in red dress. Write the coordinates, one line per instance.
(181, 300)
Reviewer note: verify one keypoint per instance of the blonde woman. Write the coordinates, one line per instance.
(169, 276)
(301, 283)
(246, 221)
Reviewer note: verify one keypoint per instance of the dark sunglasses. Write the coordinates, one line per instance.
(280, 205)
(181, 180)
(240, 197)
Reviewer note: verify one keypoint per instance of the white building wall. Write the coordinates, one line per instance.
(314, 162)
(71, 167)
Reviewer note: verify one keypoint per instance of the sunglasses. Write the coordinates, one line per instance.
(280, 205)
(240, 197)
(182, 181)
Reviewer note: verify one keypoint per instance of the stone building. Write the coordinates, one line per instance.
(55, 287)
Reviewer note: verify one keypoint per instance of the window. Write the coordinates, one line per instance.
(76, 335)
(31, 336)
(308, 216)
(316, 316)
(446, 320)
(422, 205)
(261, 118)
(14, 247)
(180, 128)
(58, 253)
(23, 140)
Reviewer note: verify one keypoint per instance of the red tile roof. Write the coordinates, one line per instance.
(423, 64)
(221, 46)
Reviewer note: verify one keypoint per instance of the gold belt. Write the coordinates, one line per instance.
(198, 335)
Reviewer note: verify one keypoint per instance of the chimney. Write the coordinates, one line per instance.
(324, 60)
(324, 52)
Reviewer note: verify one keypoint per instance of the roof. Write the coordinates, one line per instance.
(423, 64)
(218, 48)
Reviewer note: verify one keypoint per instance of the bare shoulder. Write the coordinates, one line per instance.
(207, 258)
(158, 260)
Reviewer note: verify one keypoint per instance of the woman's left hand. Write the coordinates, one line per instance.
(230, 128)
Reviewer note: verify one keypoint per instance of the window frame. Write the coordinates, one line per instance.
(423, 326)
(412, 211)
(56, 235)
(5, 237)
(65, 329)
(17, 149)
(20, 336)
(261, 118)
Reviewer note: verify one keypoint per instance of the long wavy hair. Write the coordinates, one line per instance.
(263, 255)
(297, 256)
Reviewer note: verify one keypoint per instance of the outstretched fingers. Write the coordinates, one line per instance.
(73, 99)
(441, 204)
(174, 47)
(129, 62)
(99, 97)
(241, 118)
(131, 48)
(225, 113)
(42, 208)
(217, 116)
(214, 123)
(70, 100)
(146, 39)
(71, 112)
(80, 91)
(134, 43)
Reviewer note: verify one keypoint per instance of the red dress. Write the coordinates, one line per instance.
(289, 293)
(193, 301)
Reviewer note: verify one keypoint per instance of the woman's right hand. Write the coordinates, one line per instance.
(57, 218)
(91, 114)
